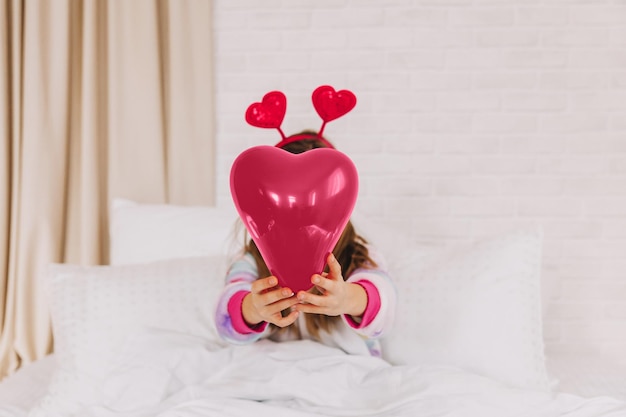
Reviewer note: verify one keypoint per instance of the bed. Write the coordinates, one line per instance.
(137, 338)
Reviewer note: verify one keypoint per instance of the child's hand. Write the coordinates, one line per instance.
(338, 297)
(266, 301)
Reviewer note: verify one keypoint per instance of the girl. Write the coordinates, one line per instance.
(350, 305)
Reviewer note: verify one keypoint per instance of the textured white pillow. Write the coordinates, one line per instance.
(478, 308)
(149, 232)
(98, 311)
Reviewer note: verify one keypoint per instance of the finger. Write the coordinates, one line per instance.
(334, 266)
(263, 284)
(311, 309)
(281, 305)
(323, 283)
(307, 297)
(273, 296)
(287, 320)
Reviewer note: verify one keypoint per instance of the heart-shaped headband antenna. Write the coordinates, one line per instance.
(269, 113)
(328, 103)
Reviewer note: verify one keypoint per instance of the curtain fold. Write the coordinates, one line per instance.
(10, 116)
(98, 99)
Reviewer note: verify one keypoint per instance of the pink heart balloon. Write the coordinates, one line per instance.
(295, 207)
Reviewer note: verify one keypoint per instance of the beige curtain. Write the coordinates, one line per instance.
(98, 99)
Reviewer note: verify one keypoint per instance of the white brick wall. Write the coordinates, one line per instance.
(474, 117)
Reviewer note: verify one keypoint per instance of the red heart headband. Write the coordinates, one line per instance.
(328, 103)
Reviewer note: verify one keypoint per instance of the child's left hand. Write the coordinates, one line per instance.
(338, 296)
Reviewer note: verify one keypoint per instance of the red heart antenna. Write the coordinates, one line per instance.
(328, 103)
(269, 113)
(331, 104)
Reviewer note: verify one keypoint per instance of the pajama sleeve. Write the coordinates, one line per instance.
(381, 298)
(228, 316)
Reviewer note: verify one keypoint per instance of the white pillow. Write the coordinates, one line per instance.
(99, 311)
(149, 232)
(477, 309)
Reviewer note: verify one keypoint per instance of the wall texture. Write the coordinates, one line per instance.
(474, 117)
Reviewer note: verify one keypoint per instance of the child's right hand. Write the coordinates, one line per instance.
(266, 301)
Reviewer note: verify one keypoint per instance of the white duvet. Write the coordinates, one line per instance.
(167, 375)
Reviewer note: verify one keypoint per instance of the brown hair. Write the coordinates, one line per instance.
(351, 250)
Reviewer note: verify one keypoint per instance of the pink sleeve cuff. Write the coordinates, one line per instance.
(372, 308)
(236, 315)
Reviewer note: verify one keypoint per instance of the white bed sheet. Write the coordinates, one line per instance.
(431, 390)
(20, 391)
(588, 376)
